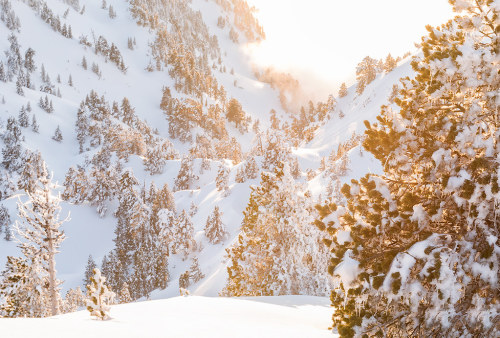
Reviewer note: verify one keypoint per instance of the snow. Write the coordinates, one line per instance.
(189, 316)
(347, 270)
(86, 232)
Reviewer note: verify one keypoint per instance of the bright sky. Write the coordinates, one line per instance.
(322, 41)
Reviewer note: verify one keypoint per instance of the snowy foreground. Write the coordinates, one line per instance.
(192, 316)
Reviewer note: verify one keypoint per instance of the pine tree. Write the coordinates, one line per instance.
(57, 135)
(33, 169)
(20, 83)
(128, 113)
(74, 300)
(99, 296)
(124, 295)
(40, 237)
(215, 230)
(278, 250)
(183, 236)
(89, 270)
(366, 71)
(12, 153)
(23, 118)
(185, 177)
(34, 124)
(222, 180)
(84, 63)
(18, 292)
(390, 63)
(195, 274)
(343, 90)
(5, 222)
(3, 74)
(235, 112)
(418, 243)
(70, 81)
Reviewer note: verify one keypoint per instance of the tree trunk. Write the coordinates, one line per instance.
(54, 304)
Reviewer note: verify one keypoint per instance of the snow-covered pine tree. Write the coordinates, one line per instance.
(34, 124)
(183, 235)
(157, 156)
(343, 90)
(278, 251)
(416, 249)
(40, 236)
(390, 63)
(124, 294)
(18, 294)
(57, 135)
(251, 168)
(32, 170)
(99, 296)
(222, 180)
(12, 152)
(89, 270)
(215, 230)
(5, 222)
(195, 274)
(23, 118)
(185, 177)
(235, 112)
(74, 300)
(366, 71)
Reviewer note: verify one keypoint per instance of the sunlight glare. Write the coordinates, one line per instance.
(322, 41)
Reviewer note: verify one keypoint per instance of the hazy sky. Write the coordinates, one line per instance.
(321, 41)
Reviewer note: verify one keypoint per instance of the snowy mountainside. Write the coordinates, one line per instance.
(61, 58)
(143, 83)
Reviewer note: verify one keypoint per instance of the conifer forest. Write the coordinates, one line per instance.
(157, 182)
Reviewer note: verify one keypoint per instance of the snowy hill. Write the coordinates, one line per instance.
(142, 79)
(289, 316)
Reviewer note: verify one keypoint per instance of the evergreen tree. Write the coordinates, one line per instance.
(19, 294)
(20, 83)
(366, 71)
(34, 124)
(33, 169)
(390, 63)
(278, 251)
(183, 238)
(12, 153)
(215, 230)
(99, 296)
(235, 112)
(195, 274)
(40, 237)
(89, 271)
(57, 135)
(222, 180)
(3, 73)
(185, 177)
(418, 244)
(343, 90)
(23, 118)
(124, 294)
(128, 113)
(5, 222)
(74, 300)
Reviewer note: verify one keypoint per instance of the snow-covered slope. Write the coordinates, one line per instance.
(192, 316)
(62, 57)
(87, 233)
